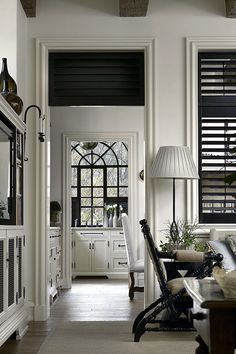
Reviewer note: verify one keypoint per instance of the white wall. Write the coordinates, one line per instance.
(92, 119)
(8, 34)
(170, 22)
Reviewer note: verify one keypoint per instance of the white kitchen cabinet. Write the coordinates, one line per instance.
(118, 254)
(54, 262)
(90, 252)
(98, 252)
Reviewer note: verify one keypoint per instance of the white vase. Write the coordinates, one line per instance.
(105, 219)
(110, 221)
(119, 222)
(115, 219)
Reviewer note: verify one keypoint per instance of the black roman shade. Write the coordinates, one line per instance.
(217, 137)
(96, 78)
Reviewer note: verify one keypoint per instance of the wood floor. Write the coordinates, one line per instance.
(87, 300)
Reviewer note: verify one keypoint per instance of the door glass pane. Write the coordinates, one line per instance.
(85, 177)
(97, 216)
(98, 177)
(98, 201)
(74, 192)
(85, 201)
(112, 192)
(123, 174)
(85, 192)
(98, 192)
(112, 176)
(74, 176)
(121, 153)
(85, 216)
(123, 192)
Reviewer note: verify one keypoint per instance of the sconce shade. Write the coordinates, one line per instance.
(174, 162)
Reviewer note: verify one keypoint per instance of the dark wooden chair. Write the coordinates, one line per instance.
(170, 312)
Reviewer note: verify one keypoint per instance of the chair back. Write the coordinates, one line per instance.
(153, 253)
(128, 238)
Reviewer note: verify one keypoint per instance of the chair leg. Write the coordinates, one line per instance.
(143, 313)
(132, 287)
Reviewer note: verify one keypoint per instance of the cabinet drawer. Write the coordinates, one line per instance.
(120, 263)
(117, 233)
(118, 246)
(85, 234)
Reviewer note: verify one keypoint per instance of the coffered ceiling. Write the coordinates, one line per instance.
(130, 8)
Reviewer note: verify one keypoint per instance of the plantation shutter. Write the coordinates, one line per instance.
(217, 137)
(92, 78)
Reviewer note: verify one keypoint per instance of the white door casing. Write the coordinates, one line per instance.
(43, 47)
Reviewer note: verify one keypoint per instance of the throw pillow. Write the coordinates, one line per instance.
(232, 242)
(229, 258)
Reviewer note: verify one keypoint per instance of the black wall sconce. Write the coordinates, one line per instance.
(41, 134)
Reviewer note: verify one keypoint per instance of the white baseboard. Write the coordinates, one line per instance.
(15, 323)
(41, 313)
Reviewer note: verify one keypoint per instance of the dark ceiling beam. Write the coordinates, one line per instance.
(133, 8)
(29, 7)
(230, 6)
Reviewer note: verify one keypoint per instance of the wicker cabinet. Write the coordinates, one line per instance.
(12, 290)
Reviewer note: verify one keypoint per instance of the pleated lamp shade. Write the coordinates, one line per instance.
(174, 162)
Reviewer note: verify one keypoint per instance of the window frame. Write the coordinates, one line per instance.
(193, 46)
(76, 201)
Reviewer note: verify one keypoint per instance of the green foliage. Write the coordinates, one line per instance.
(3, 207)
(55, 206)
(181, 236)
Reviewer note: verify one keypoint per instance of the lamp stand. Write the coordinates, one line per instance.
(174, 232)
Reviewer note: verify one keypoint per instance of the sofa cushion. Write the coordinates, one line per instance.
(223, 247)
(232, 242)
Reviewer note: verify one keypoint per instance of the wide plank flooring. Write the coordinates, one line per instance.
(91, 299)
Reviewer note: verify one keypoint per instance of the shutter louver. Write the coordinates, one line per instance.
(1, 275)
(217, 137)
(11, 270)
(96, 79)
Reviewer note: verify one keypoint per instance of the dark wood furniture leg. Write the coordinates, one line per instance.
(202, 348)
(133, 288)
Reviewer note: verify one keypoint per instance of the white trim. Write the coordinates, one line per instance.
(193, 46)
(131, 139)
(43, 47)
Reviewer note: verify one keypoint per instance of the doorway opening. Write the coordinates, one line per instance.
(44, 47)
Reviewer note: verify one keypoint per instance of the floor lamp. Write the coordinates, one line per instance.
(174, 162)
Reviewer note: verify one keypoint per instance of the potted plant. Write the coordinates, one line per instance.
(2, 208)
(55, 212)
(183, 236)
